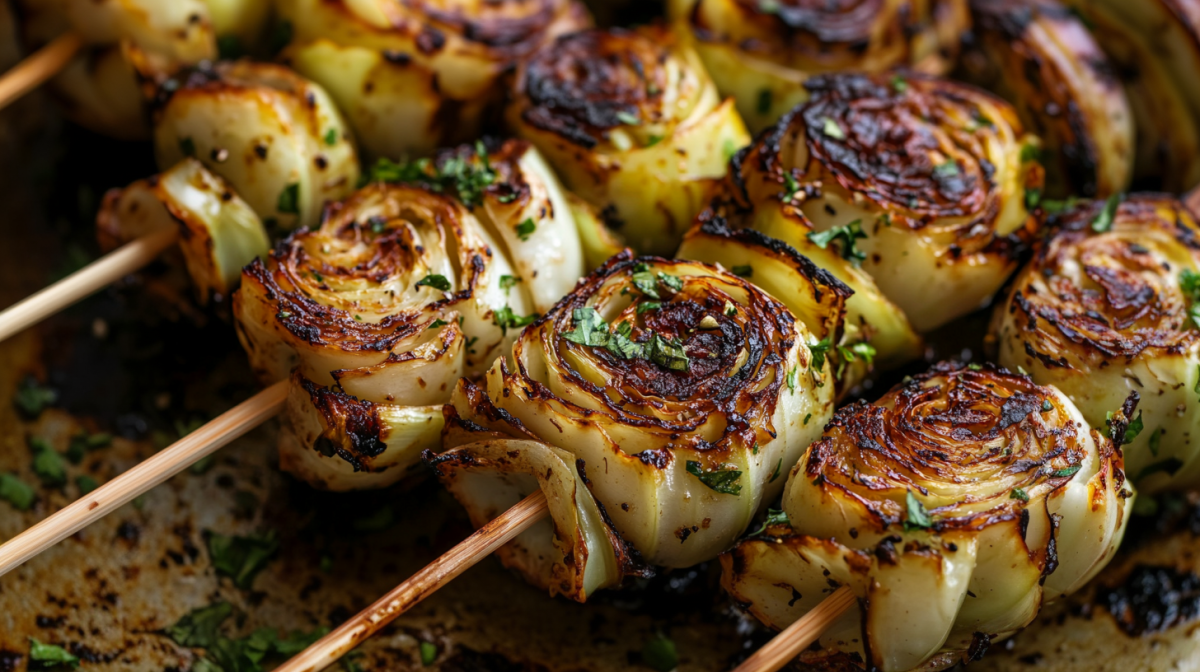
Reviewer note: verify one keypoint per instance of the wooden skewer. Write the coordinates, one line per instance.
(38, 67)
(86, 281)
(796, 637)
(403, 597)
(163, 465)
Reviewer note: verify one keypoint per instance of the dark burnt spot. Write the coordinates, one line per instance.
(128, 531)
(1017, 407)
(585, 84)
(10, 661)
(430, 40)
(980, 642)
(659, 458)
(397, 57)
(1152, 599)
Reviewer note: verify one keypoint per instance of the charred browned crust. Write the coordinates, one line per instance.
(509, 27)
(293, 270)
(585, 84)
(1131, 304)
(746, 399)
(815, 29)
(351, 427)
(1043, 96)
(954, 425)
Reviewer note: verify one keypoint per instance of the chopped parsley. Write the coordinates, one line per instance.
(791, 187)
(42, 656)
(32, 398)
(724, 481)
(845, 236)
(1189, 282)
(435, 281)
(743, 271)
(507, 282)
(1033, 198)
(918, 517)
(86, 484)
(1018, 493)
(289, 199)
(830, 128)
(653, 140)
(201, 626)
(438, 323)
(947, 169)
(1155, 440)
(241, 558)
(819, 350)
(778, 468)
(506, 319)
(331, 137)
(668, 353)
(659, 654)
(774, 517)
(526, 228)
(465, 178)
(791, 379)
(590, 328)
(646, 306)
(1132, 430)
(628, 118)
(16, 492)
(81, 444)
(1104, 221)
(862, 350)
(898, 84)
(429, 653)
(764, 101)
(1066, 472)
(49, 466)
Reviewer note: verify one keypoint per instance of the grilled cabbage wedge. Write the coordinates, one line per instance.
(1040, 56)
(953, 508)
(404, 288)
(1155, 48)
(761, 53)
(127, 39)
(218, 232)
(760, 192)
(928, 184)
(415, 76)
(633, 125)
(277, 137)
(683, 391)
(1107, 306)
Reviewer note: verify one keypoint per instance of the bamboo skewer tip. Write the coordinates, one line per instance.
(38, 67)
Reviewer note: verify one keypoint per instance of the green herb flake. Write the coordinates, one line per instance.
(1155, 440)
(331, 137)
(289, 199)
(1047, 406)
(724, 481)
(653, 140)
(32, 398)
(628, 118)
(507, 282)
(1104, 221)
(86, 484)
(590, 328)
(830, 128)
(438, 324)
(791, 187)
(200, 627)
(1018, 493)
(947, 169)
(1030, 152)
(668, 353)
(743, 271)
(646, 306)
(659, 654)
(16, 492)
(50, 467)
(49, 655)
(806, 419)
(671, 282)
(646, 283)
(899, 85)
(791, 379)
(241, 558)
(506, 319)
(774, 517)
(764, 101)
(818, 351)
(434, 281)
(917, 517)
(778, 469)
(845, 237)
(1066, 472)
(429, 653)
(526, 228)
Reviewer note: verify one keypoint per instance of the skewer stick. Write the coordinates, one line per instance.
(85, 282)
(796, 637)
(175, 458)
(403, 597)
(38, 67)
